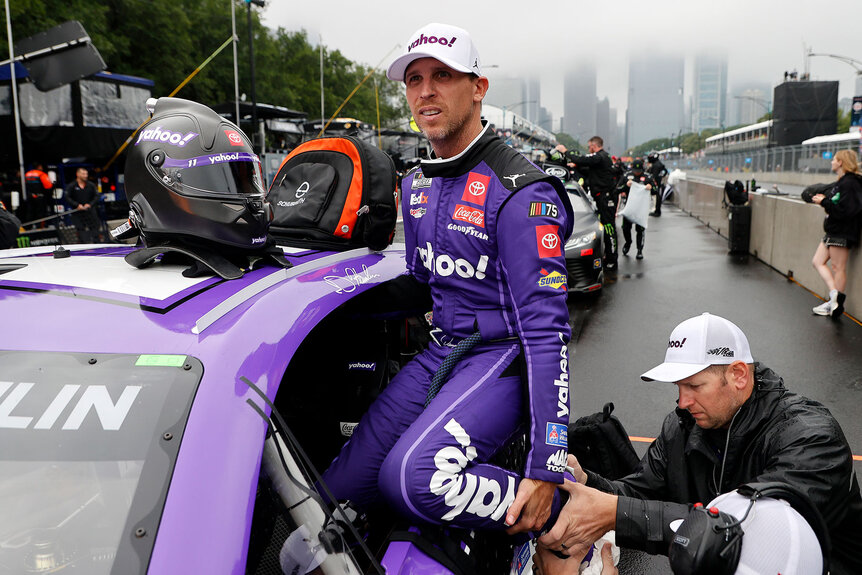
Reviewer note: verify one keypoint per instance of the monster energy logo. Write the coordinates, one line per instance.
(23, 241)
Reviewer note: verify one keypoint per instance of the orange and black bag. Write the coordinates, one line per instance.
(334, 193)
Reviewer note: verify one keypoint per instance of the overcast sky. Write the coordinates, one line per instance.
(762, 38)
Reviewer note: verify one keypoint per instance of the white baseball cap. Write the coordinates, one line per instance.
(697, 343)
(777, 538)
(448, 44)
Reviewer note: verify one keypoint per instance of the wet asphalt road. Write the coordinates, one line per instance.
(686, 270)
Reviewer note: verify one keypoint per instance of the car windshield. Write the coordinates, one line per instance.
(81, 465)
(579, 203)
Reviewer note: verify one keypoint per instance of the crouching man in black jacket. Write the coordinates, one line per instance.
(735, 423)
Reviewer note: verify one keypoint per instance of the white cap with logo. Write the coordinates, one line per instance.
(697, 343)
(448, 44)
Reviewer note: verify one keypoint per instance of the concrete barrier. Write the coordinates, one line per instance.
(791, 178)
(785, 232)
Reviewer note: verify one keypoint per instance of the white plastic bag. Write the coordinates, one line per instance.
(637, 205)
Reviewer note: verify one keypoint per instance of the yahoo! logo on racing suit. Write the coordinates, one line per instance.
(444, 265)
(158, 135)
(562, 382)
(465, 492)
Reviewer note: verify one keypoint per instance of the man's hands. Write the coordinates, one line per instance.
(546, 563)
(586, 516)
(576, 469)
(532, 504)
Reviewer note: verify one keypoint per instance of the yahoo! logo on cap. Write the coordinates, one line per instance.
(676, 342)
(423, 39)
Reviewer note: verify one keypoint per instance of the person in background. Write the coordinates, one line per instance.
(659, 173)
(598, 168)
(81, 195)
(843, 214)
(35, 199)
(9, 228)
(639, 176)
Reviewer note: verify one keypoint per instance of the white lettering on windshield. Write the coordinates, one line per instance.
(95, 397)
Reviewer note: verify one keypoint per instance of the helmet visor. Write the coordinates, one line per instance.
(227, 173)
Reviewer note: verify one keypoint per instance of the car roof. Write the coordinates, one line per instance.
(243, 329)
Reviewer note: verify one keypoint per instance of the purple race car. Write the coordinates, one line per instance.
(134, 404)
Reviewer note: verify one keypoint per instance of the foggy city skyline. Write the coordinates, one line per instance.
(761, 40)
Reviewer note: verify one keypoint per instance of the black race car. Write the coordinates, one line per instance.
(585, 248)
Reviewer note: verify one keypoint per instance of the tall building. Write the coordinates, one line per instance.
(579, 101)
(748, 103)
(516, 94)
(655, 98)
(612, 142)
(533, 96)
(508, 92)
(546, 120)
(710, 92)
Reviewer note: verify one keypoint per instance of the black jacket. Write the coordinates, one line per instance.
(598, 170)
(844, 208)
(78, 196)
(657, 171)
(776, 436)
(638, 177)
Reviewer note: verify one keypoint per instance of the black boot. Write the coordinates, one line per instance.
(626, 247)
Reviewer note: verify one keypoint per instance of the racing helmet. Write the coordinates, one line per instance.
(192, 176)
(652, 157)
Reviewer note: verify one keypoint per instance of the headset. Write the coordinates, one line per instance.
(709, 541)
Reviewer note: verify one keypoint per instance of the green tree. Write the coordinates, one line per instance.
(843, 122)
(569, 142)
(165, 40)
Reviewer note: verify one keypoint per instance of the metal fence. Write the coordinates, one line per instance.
(815, 158)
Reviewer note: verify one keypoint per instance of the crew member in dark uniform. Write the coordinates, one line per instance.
(35, 199)
(81, 196)
(598, 167)
(636, 175)
(659, 173)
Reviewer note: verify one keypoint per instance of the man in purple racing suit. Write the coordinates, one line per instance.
(485, 229)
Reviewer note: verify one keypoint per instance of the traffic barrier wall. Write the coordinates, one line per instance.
(790, 178)
(785, 232)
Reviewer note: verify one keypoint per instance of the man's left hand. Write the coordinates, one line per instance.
(586, 516)
(531, 507)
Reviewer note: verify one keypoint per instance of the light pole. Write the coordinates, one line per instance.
(515, 105)
(759, 101)
(255, 136)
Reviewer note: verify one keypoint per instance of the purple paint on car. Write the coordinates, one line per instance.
(189, 489)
